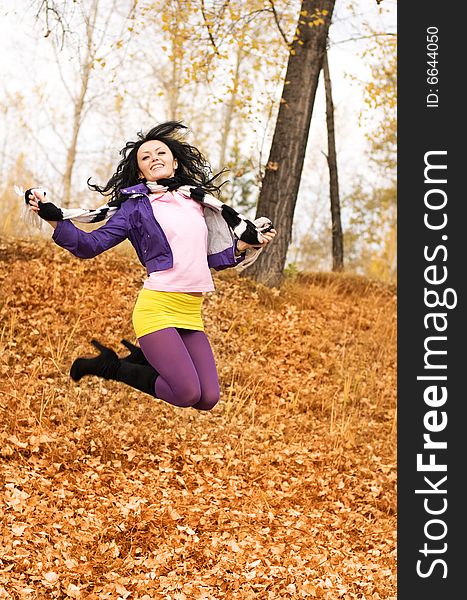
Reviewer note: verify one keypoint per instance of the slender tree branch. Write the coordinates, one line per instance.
(62, 76)
(48, 7)
(366, 37)
(39, 144)
(276, 19)
(208, 28)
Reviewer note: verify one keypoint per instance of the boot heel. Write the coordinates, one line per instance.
(136, 355)
(129, 345)
(102, 349)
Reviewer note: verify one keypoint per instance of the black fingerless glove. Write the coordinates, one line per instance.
(47, 210)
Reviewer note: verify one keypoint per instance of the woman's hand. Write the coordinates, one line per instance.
(36, 202)
(267, 237)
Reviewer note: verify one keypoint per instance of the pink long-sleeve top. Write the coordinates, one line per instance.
(182, 220)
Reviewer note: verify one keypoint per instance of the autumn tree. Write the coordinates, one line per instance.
(222, 62)
(372, 242)
(81, 39)
(78, 97)
(216, 67)
(284, 167)
(336, 224)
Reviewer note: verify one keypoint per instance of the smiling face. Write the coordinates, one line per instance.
(155, 161)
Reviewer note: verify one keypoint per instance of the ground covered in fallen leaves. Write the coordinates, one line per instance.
(287, 489)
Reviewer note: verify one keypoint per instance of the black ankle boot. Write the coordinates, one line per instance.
(109, 366)
(136, 355)
(105, 365)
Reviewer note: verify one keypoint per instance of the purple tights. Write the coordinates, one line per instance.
(185, 363)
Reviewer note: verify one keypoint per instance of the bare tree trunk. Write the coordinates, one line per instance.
(78, 112)
(72, 148)
(284, 168)
(179, 49)
(337, 236)
(281, 181)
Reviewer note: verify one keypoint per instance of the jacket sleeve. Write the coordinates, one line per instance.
(226, 258)
(87, 244)
(241, 257)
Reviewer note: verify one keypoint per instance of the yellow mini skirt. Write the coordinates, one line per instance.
(156, 310)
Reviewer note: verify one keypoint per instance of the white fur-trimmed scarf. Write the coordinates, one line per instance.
(243, 229)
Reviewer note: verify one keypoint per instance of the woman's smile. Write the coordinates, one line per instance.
(155, 161)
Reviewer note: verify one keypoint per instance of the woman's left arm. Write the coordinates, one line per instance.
(267, 237)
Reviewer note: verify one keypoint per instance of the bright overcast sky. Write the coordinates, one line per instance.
(22, 62)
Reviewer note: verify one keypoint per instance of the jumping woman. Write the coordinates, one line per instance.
(162, 198)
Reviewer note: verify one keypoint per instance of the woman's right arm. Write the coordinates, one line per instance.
(87, 244)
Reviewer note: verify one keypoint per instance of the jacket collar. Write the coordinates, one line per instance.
(138, 189)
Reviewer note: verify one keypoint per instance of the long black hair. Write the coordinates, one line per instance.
(192, 169)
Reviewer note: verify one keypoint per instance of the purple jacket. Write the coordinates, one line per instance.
(135, 220)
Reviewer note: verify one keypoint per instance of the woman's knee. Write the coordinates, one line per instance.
(187, 393)
(208, 400)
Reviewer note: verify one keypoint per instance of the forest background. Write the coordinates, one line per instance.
(81, 78)
(287, 489)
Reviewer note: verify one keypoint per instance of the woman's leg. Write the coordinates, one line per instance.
(186, 367)
(180, 368)
(200, 351)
